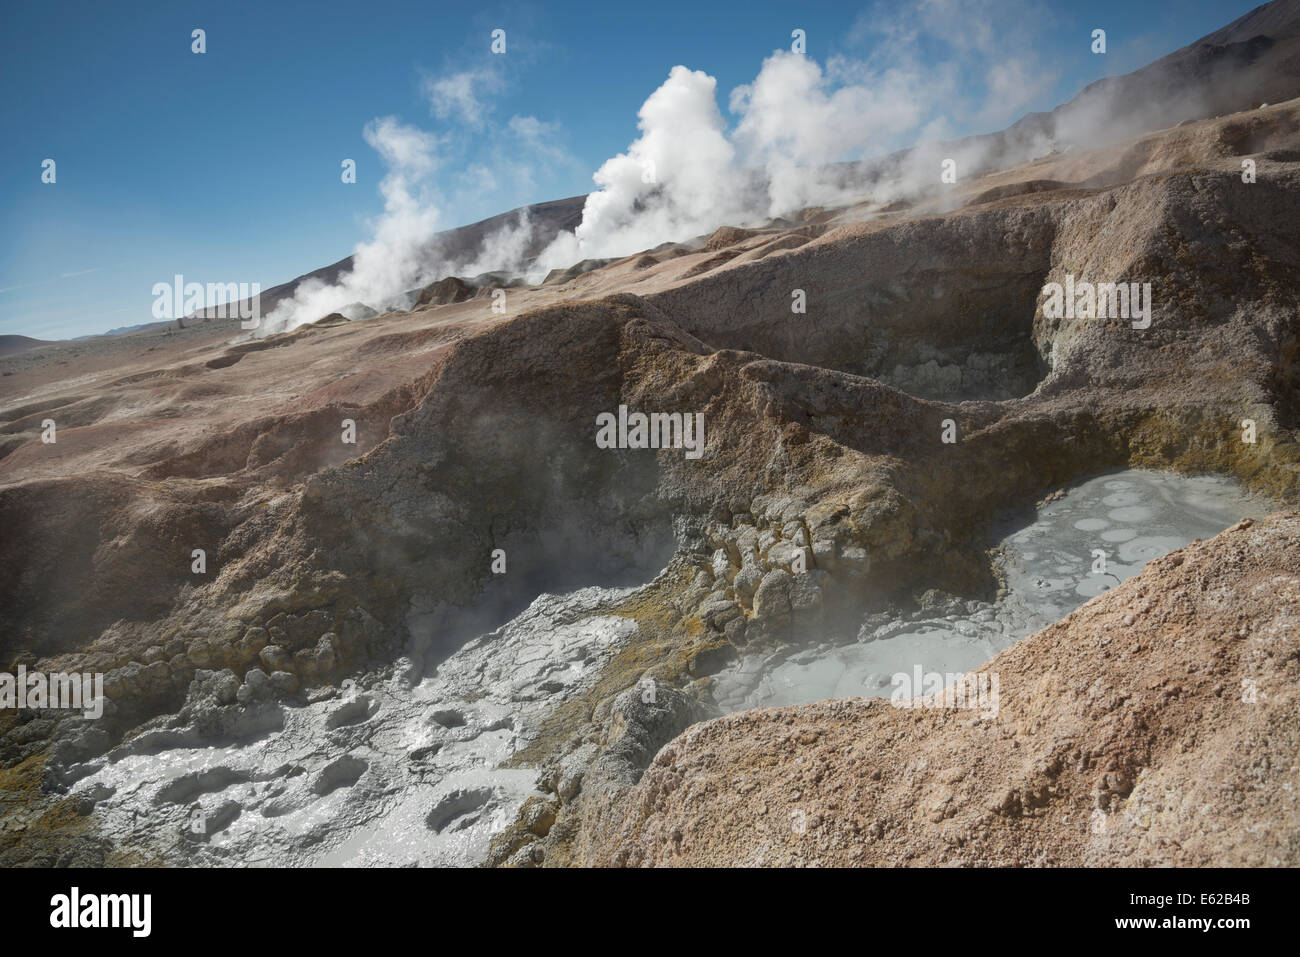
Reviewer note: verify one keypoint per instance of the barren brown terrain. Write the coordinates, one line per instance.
(474, 432)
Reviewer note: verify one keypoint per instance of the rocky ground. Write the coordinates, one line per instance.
(826, 485)
(1155, 726)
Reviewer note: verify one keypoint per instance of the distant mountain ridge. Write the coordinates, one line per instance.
(13, 345)
(1254, 59)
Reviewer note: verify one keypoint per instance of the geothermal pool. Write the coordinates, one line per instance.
(1132, 517)
(399, 772)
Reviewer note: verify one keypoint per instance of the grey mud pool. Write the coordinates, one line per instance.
(1099, 533)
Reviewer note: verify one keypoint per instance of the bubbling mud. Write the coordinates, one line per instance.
(383, 774)
(1095, 536)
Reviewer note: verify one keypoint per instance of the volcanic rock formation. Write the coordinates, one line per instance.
(855, 451)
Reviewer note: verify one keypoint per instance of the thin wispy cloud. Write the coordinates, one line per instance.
(61, 276)
(464, 96)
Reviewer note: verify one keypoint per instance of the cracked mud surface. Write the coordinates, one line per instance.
(380, 774)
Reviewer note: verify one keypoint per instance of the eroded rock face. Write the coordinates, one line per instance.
(944, 310)
(451, 289)
(1155, 726)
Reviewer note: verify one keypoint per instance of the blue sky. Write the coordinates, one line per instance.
(225, 166)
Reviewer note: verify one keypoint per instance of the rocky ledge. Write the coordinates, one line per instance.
(1155, 726)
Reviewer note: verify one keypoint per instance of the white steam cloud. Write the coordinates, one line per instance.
(404, 253)
(797, 120)
(396, 258)
(677, 179)
(795, 127)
